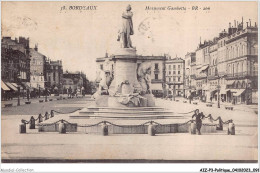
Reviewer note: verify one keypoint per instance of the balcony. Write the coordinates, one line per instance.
(237, 75)
(212, 77)
(175, 83)
(156, 81)
(156, 70)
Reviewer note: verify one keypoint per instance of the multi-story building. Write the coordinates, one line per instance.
(190, 63)
(73, 80)
(157, 72)
(242, 64)
(15, 61)
(226, 68)
(201, 68)
(38, 69)
(175, 74)
(54, 73)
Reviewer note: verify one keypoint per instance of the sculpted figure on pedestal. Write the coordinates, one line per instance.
(127, 28)
(144, 77)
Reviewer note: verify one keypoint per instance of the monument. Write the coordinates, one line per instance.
(125, 85)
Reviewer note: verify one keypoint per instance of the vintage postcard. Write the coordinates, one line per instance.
(129, 82)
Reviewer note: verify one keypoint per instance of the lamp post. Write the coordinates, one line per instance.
(18, 78)
(39, 91)
(46, 92)
(218, 88)
(249, 94)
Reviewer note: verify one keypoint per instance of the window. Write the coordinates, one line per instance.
(170, 67)
(179, 66)
(174, 72)
(173, 67)
(179, 72)
(179, 79)
(53, 77)
(169, 72)
(170, 79)
(156, 76)
(101, 66)
(156, 66)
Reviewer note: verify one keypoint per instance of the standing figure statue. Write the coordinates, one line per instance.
(144, 77)
(127, 28)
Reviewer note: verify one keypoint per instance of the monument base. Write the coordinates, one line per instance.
(112, 101)
(150, 100)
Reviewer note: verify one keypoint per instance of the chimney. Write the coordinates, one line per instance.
(255, 24)
(250, 22)
(234, 23)
(36, 47)
(229, 24)
(246, 24)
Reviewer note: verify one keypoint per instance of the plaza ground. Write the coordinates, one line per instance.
(162, 147)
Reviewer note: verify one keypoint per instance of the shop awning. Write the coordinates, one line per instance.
(199, 66)
(25, 86)
(204, 68)
(239, 92)
(224, 91)
(11, 86)
(14, 84)
(230, 82)
(4, 87)
(234, 90)
(213, 92)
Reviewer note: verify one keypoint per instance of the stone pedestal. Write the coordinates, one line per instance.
(125, 66)
(102, 101)
(150, 100)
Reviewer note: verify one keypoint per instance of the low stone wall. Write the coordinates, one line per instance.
(55, 127)
(133, 129)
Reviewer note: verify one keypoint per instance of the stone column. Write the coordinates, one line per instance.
(125, 66)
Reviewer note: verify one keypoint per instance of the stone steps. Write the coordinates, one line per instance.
(124, 117)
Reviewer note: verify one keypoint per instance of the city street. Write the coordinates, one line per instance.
(52, 146)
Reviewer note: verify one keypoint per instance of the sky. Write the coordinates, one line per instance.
(78, 37)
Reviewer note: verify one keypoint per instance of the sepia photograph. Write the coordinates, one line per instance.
(129, 82)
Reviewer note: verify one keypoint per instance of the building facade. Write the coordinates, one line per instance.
(227, 66)
(73, 81)
(190, 63)
(15, 60)
(38, 69)
(54, 74)
(175, 76)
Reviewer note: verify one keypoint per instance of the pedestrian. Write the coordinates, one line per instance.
(198, 119)
(70, 92)
(233, 101)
